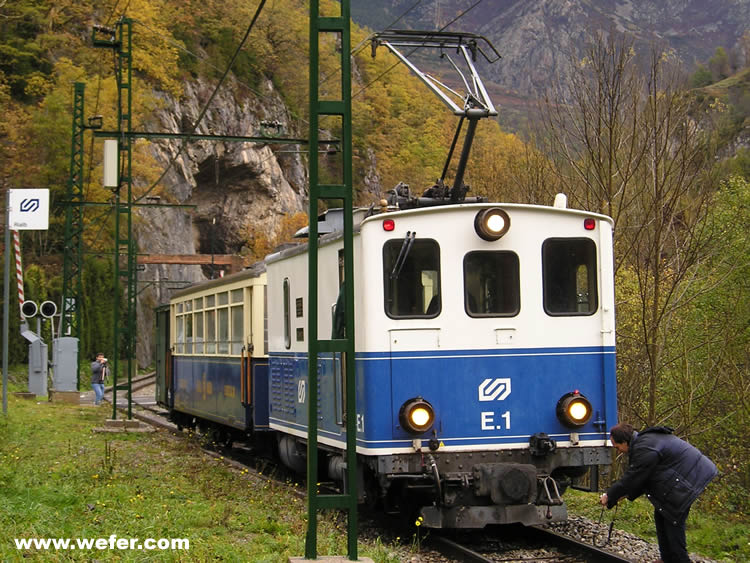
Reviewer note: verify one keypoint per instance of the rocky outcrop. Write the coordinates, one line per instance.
(536, 38)
(231, 187)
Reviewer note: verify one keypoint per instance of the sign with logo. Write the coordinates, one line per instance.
(29, 210)
(494, 389)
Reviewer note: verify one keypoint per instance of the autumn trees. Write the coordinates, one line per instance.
(625, 138)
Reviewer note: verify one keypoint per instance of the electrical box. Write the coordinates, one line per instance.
(38, 367)
(65, 363)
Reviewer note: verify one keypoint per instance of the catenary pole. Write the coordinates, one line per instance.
(6, 298)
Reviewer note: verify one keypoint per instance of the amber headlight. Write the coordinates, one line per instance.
(574, 410)
(490, 224)
(416, 416)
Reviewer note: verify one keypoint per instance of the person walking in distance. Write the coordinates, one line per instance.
(98, 374)
(670, 472)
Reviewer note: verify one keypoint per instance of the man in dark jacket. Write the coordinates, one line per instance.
(98, 375)
(671, 473)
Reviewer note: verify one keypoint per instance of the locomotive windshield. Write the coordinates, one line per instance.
(411, 280)
(569, 267)
(491, 284)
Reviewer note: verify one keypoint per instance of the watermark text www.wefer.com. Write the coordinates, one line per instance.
(112, 542)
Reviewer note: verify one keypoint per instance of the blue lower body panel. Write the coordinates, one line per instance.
(483, 399)
(210, 388)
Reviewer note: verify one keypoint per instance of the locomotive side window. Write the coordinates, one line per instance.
(411, 278)
(569, 271)
(491, 284)
(287, 319)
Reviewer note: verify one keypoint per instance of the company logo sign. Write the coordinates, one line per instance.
(301, 391)
(29, 209)
(494, 389)
(29, 205)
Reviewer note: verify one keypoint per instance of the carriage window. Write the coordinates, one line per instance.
(237, 295)
(211, 331)
(237, 329)
(179, 337)
(491, 284)
(199, 304)
(223, 298)
(210, 299)
(223, 317)
(569, 267)
(411, 277)
(188, 334)
(198, 333)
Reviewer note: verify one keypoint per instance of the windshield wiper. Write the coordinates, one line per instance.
(403, 253)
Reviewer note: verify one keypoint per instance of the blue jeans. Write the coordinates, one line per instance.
(99, 392)
(672, 544)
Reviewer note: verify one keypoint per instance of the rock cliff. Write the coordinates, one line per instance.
(233, 186)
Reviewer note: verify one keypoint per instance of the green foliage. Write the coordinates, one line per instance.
(23, 58)
(719, 65)
(701, 77)
(97, 334)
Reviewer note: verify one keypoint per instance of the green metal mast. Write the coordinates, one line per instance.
(120, 40)
(338, 29)
(72, 290)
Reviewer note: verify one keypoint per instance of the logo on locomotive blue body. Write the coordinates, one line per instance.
(494, 389)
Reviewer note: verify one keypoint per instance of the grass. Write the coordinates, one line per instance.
(59, 479)
(724, 536)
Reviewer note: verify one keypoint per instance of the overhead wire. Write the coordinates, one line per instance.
(394, 65)
(361, 45)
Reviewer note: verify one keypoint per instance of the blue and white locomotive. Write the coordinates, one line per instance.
(485, 357)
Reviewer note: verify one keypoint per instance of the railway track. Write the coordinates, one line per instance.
(520, 544)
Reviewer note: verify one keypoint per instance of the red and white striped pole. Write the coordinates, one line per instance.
(19, 270)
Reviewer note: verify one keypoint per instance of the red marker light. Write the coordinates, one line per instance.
(589, 224)
(389, 224)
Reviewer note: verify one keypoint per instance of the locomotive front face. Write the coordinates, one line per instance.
(485, 361)
(495, 329)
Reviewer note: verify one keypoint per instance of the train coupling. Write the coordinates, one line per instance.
(550, 494)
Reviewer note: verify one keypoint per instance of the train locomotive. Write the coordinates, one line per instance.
(485, 358)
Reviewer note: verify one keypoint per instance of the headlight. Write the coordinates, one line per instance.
(416, 416)
(574, 410)
(490, 224)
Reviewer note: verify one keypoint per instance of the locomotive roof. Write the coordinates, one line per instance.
(326, 235)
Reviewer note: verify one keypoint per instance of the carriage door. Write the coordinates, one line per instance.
(163, 357)
(411, 278)
(338, 330)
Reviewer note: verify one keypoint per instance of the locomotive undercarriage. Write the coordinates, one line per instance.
(473, 489)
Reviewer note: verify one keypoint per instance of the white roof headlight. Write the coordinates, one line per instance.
(492, 223)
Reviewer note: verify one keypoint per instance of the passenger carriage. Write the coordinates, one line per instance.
(212, 363)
